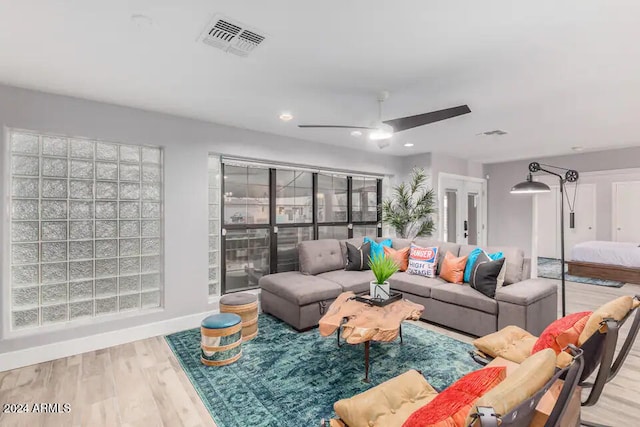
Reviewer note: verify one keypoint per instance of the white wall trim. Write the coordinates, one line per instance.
(45, 353)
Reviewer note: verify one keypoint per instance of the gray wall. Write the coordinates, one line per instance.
(187, 143)
(511, 216)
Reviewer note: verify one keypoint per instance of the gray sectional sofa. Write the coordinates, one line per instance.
(300, 298)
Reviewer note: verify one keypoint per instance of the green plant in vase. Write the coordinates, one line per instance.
(383, 268)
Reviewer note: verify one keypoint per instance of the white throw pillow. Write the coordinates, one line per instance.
(423, 261)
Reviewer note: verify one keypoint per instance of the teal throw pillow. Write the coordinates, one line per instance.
(377, 249)
(473, 256)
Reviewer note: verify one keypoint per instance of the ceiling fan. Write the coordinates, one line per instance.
(383, 130)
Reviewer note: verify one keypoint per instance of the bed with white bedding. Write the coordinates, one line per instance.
(606, 260)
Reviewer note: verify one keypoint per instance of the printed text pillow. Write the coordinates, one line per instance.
(423, 261)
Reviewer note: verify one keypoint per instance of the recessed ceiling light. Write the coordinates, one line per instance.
(141, 21)
(577, 148)
(356, 133)
(408, 144)
(286, 116)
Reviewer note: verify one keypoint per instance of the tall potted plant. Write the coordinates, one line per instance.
(382, 267)
(410, 209)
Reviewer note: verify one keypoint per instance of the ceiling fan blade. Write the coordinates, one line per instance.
(404, 123)
(334, 127)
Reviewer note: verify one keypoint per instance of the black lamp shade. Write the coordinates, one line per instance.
(530, 187)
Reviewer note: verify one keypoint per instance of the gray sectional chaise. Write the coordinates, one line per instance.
(300, 298)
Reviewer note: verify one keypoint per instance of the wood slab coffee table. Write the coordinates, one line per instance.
(360, 322)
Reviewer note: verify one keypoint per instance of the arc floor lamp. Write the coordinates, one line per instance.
(533, 187)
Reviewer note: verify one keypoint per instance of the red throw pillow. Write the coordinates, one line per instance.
(452, 406)
(548, 338)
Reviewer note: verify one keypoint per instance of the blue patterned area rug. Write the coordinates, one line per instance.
(287, 378)
(549, 268)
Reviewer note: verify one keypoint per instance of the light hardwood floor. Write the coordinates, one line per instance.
(142, 384)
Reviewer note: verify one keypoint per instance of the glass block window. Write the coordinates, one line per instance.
(86, 228)
(214, 225)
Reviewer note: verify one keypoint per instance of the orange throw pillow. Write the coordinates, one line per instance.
(400, 256)
(452, 269)
(548, 338)
(452, 406)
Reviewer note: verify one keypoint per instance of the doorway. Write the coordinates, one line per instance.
(626, 204)
(583, 200)
(463, 209)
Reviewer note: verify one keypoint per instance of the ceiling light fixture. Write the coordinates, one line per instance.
(356, 133)
(286, 116)
(381, 131)
(408, 144)
(577, 148)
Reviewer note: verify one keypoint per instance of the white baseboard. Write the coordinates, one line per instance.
(45, 353)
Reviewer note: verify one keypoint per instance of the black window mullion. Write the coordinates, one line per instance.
(273, 240)
(349, 206)
(379, 206)
(314, 204)
(222, 255)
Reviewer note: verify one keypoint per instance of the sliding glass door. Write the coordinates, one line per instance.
(247, 226)
(267, 211)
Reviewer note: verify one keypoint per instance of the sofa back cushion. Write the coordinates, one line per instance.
(398, 243)
(320, 256)
(514, 258)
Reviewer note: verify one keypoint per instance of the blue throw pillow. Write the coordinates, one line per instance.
(473, 256)
(377, 249)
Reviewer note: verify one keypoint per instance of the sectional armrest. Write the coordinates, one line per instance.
(526, 292)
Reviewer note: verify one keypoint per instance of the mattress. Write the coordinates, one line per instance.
(612, 253)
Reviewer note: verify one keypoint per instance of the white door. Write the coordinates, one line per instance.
(462, 207)
(626, 205)
(548, 217)
(584, 227)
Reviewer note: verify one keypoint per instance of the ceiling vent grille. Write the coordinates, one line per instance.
(232, 36)
(494, 132)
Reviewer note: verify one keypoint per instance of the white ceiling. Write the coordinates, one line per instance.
(554, 74)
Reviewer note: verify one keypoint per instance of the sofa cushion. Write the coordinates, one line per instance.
(514, 259)
(355, 281)
(388, 404)
(398, 243)
(413, 284)
(526, 292)
(443, 248)
(465, 296)
(451, 407)
(319, 256)
(299, 288)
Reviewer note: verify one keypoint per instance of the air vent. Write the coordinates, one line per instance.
(497, 132)
(232, 36)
